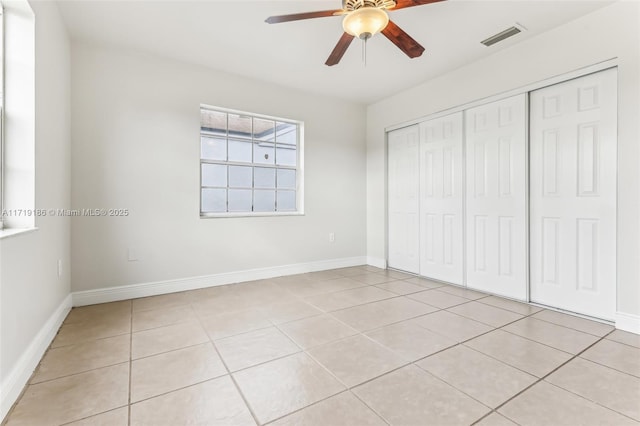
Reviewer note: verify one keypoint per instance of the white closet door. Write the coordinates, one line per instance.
(403, 182)
(496, 175)
(441, 237)
(573, 195)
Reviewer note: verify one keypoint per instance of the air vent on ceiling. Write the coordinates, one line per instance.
(502, 35)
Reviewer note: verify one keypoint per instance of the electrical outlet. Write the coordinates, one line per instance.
(132, 255)
(59, 268)
(332, 237)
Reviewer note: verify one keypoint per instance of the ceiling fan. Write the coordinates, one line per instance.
(364, 19)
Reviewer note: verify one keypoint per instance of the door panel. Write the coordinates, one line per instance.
(403, 180)
(496, 155)
(441, 232)
(573, 195)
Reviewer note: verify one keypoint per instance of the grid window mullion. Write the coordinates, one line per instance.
(270, 163)
(253, 167)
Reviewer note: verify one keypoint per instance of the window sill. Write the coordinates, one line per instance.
(242, 214)
(7, 233)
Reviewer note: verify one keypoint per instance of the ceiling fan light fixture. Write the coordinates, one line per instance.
(365, 22)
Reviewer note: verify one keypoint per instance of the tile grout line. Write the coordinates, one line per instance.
(347, 388)
(130, 365)
(351, 388)
(355, 395)
(572, 328)
(541, 379)
(462, 343)
(527, 338)
(93, 415)
(177, 389)
(171, 350)
(509, 310)
(303, 351)
(233, 380)
(573, 356)
(77, 373)
(590, 400)
(80, 342)
(622, 343)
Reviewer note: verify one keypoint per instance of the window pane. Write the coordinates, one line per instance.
(263, 153)
(264, 130)
(239, 126)
(264, 201)
(286, 201)
(286, 155)
(286, 179)
(240, 177)
(286, 133)
(214, 200)
(213, 122)
(240, 151)
(213, 148)
(239, 200)
(264, 178)
(214, 175)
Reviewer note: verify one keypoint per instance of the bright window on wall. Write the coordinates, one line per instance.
(250, 165)
(1, 117)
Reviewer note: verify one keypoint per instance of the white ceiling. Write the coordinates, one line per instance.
(230, 35)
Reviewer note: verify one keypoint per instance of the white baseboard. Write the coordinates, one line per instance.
(113, 294)
(12, 386)
(628, 322)
(377, 262)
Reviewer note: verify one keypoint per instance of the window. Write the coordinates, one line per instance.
(249, 164)
(17, 165)
(1, 117)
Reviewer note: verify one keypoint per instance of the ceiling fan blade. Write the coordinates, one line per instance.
(339, 50)
(401, 4)
(408, 45)
(300, 16)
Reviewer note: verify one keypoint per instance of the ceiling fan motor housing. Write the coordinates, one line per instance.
(365, 22)
(364, 19)
(350, 5)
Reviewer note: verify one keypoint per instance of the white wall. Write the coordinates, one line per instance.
(607, 33)
(135, 132)
(30, 289)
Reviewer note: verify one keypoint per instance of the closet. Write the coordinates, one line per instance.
(441, 199)
(496, 195)
(573, 195)
(403, 203)
(515, 197)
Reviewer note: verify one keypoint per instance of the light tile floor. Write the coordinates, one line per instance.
(353, 346)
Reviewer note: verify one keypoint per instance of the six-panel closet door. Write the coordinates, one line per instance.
(441, 232)
(496, 197)
(573, 195)
(403, 202)
(473, 201)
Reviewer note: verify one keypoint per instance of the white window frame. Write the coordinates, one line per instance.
(299, 190)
